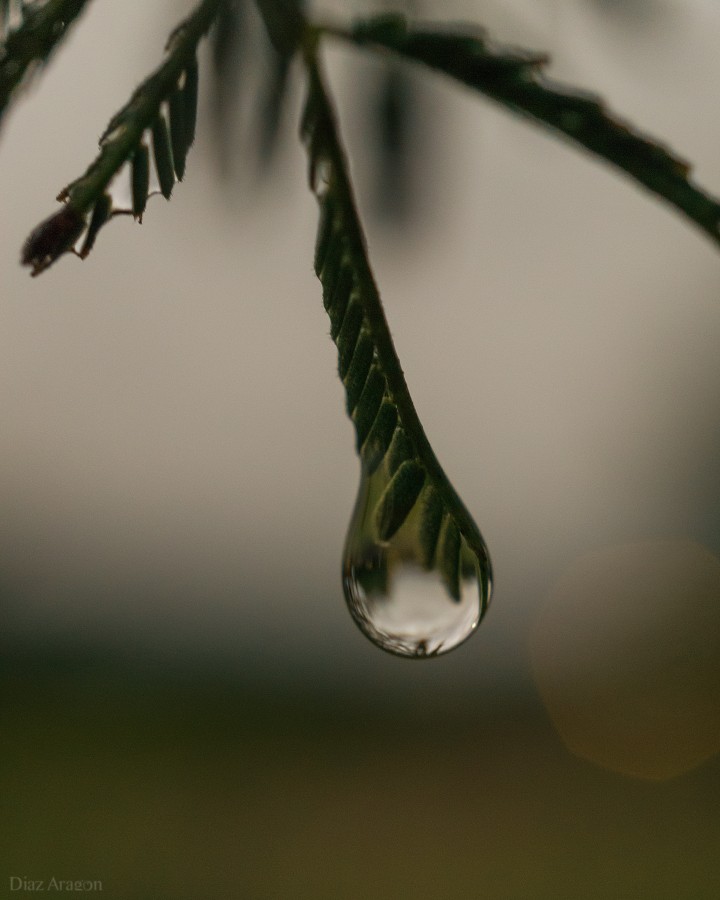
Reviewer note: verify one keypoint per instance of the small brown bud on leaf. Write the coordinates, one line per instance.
(52, 238)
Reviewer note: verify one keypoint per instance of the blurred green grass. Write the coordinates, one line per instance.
(185, 785)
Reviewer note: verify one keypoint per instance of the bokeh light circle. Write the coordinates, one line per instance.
(626, 656)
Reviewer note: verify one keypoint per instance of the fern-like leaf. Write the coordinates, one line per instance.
(272, 105)
(515, 79)
(387, 427)
(163, 106)
(41, 28)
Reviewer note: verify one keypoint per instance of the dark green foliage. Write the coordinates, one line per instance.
(99, 217)
(229, 41)
(395, 121)
(449, 557)
(285, 23)
(190, 101)
(324, 238)
(182, 107)
(329, 255)
(399, 498)
(392, 445)
(272, 105)
(430, 522)
(140, 180)
(358, 370)
(369, 404)
(515, 79)
(378, 440)
(43, 28)
(337, 299)
(178, 133)
(174, 83)
(382, 411)
(245, 59)
(349, 333)
(401, 448)
(162, 154)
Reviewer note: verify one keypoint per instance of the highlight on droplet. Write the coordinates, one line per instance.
(626, 657)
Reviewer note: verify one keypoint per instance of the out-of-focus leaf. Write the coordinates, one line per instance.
(272, 106)
(123, 142)
(515, 78)
(398, 136)
(41, 28)
(228, 46)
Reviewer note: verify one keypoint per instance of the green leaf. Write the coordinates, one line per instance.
(416, 494)
(228, 45)
(190, 101)
(43, 28)
(122, 142)
(400, 449)
(449, 557)
(182, 107)
(178, 134)
(376, 444)
(357, 373)
(285, 23)
(515, 79)
(273, 100)
(399, 498)
(163, 156)
(101, 214)
(368, 405)
(431, 520)
(140, 180)
(397, 124)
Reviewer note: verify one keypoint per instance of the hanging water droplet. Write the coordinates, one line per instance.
(423, 590)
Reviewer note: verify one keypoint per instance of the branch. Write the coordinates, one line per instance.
(514, 78)
(30, 46)
(174, 83)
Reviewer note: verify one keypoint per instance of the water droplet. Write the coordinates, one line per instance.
(407, 600)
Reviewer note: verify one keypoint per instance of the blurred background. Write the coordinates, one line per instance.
(188, 708)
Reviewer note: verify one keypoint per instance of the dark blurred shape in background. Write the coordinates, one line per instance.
(397, 137)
